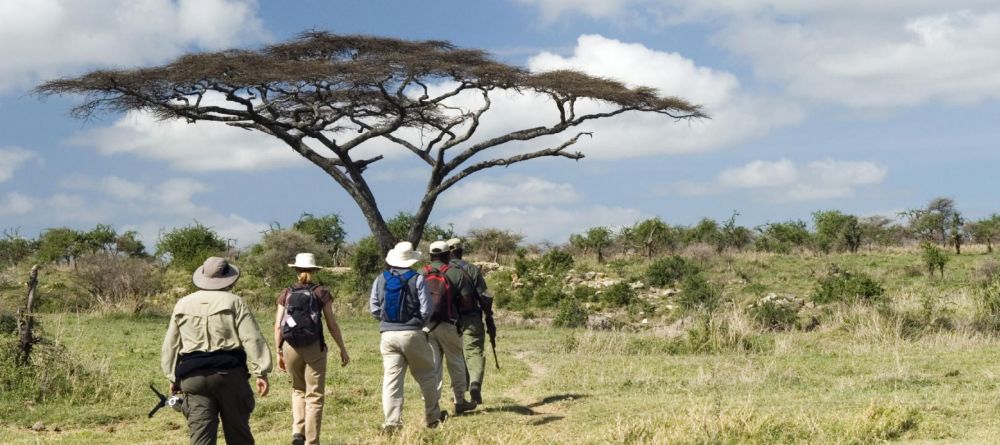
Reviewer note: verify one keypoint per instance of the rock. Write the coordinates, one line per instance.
(669, 292)
(589, 276)
(599, 323)
(38, 426)
(644, 321)
(637, 285)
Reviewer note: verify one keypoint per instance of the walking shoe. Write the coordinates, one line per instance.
(441, 419)
(477, 396)
(463, 406)
(298, 439)
(389, 430)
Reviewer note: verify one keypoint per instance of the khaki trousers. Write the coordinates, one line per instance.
(401, 350)
(211, 394)
(446, 342)
(307, 367)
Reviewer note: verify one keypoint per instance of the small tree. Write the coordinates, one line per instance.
(128, 244)
(58, 245)
(14, 248)
(654, 235)
(597, 238)
(956, 231)
(782, 237)
(876, 231)
(495, 242)
(986, 231)
(187, 247)
(706, 231)
(327, 230)
(934, 258)
(837, 231)
(931, 223)
(324, 95)
(269, 259)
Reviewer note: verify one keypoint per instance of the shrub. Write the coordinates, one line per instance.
(366, 261)
(585, 293)
(14, 249)
(987, 317)
(556, 261)
(774, 312)
(843, 286)
(697, 294)
(188, 247)
(619, 295)
(571, 314)
(118, 282)
(269, 260)
(987, 271)
(669, 270)
(882, 423)
(934, 258)
(52, 375)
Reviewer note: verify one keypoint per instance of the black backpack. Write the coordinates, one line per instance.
(301, 325)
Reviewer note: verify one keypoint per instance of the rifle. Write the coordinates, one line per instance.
(493, 343)
(174, 402)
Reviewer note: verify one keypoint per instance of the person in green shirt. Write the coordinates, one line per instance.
(445, 335)
(212, 346)
(472, 311)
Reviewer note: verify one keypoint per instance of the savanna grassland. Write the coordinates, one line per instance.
(917, 363)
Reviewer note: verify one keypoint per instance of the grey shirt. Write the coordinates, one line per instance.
(417, 288)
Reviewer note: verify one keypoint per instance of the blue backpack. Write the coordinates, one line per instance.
(398, 305)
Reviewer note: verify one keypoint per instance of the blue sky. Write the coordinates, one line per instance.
(867, 107)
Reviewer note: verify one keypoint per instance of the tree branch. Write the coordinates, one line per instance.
(554, 151)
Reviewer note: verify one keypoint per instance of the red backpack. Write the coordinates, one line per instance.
(441, 295)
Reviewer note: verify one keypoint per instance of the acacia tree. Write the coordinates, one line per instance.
(324, 95)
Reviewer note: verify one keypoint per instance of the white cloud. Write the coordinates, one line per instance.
(735, 115)
(16, 204)
(12, 158)
(506, 191)
(541, 223)
(206, 146)
(859, 53)
(131, 205)
(47, 38)
(783, 180)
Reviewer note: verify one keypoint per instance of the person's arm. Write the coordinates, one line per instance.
(279, 314)
(373, 304)
(334, 328)
(258, 352)
(169, 352)
(424, 297)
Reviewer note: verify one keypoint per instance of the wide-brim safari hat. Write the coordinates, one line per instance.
(305, 261)
(215, 274)
(402, 255)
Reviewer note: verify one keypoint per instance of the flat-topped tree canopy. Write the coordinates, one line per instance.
(324, 94)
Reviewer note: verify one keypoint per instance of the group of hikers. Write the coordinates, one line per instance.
(428, 319)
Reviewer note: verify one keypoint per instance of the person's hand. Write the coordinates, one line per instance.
(344, 358)
(174, 388)
(262, 386)
(491, 327)
(281, 363)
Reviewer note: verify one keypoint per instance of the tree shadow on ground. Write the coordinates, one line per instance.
(528, 410)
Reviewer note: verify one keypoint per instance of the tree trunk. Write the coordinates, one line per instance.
(27, 327)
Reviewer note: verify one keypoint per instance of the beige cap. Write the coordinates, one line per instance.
(439, 247)
(215, 274)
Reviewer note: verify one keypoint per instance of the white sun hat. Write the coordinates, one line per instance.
(439, 247)
(402, 255)
(305, 261)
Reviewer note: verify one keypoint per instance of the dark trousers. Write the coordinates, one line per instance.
(212, 394)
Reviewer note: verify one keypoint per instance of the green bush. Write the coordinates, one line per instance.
(987, 298)
(556, 261)
(187, 247)
(366, 261)
(774, 312)
(52, 375)
(119, 283)
(934, 258)
(269, 260)
(619, 295)
(698, 294)
(571, 314)
(843, 286)
(668, 271)
(585, 293)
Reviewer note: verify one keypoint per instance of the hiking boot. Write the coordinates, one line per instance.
(443, 417)
(477, 396)
(389, 430)
(463, 407)
(298, 439)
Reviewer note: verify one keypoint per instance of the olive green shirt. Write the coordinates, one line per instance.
(208, 321)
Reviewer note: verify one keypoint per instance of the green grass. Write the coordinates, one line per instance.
(859, 378)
